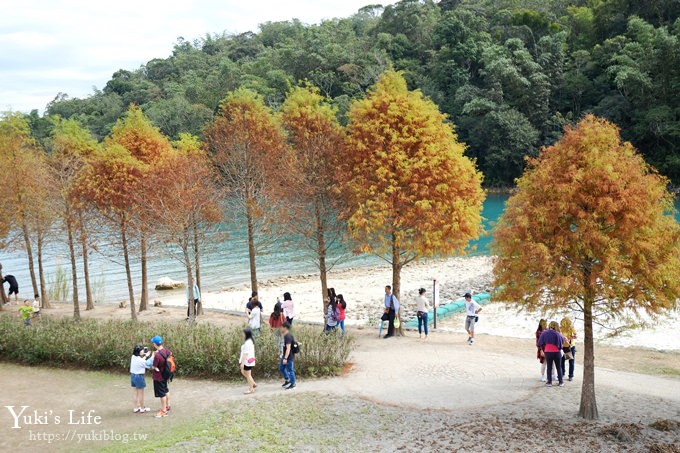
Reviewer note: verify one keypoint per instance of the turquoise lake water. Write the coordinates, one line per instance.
(225, 265)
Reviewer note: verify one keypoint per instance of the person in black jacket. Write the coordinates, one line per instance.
(13, 287)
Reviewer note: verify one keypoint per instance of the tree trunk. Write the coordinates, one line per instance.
(321, 253)
(197, 266)
(396, 281)
(251, 249)
(588, 409)
(197, 257)
(144, 301)
(74, 270)
(86, 264)
(29, 253)
(190, 277)
(44, 298)
(131, 291)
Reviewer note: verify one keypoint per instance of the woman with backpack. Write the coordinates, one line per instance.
(332, 316)
(342, 306)
(247, 360)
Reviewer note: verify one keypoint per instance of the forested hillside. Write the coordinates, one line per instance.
(510, 73)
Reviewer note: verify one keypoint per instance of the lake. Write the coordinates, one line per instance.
(225, 265)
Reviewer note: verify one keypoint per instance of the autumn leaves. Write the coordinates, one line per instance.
(590, 227)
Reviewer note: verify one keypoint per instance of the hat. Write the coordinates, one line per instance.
(157, 340)
(468, 295)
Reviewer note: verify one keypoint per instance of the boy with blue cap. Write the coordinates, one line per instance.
(160, 383)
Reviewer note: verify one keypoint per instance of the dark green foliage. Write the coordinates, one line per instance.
(510, 73)
(201, 351)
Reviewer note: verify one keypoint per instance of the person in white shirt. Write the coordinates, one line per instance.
(140, 361)
(472, 309)
(422, 309)
(36, 306)
(255, 319)
(247, 360)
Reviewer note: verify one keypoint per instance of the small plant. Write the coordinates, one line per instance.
(59, 284)
(665, 425)
(372, 321)
(99, 288)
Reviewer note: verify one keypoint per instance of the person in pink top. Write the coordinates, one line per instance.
(551, 342)
(342, 306)
(288, 308)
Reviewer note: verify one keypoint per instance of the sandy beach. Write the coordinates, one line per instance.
(363, 289)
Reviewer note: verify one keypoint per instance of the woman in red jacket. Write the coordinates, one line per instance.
(342, 305)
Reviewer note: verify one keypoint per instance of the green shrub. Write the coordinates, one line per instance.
(204, 351)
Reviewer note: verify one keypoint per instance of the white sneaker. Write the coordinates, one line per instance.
(542, 378)
(472, 341)
(137, 410)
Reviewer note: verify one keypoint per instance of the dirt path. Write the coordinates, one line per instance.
(494, 378)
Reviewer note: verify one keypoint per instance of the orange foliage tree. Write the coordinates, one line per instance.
(247, 146)
(26, 187)
(591, 226)
(311, 210)
(184, 196)
(147, 144)
(71, 146)
(410, 191)
(110, 181)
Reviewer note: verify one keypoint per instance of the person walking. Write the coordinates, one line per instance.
(196, 300)
(277, 318)
(542, 325)
(422, 310)
(342, 306)
(288, 308)
(332, 316)
(551, 342)
(287, 363)
(254, 301)
(247, 360)
(391, 304)
(26, 311)
(472, 309)
(13, 287)
(160, 380)
(255, 319)
(569, 348)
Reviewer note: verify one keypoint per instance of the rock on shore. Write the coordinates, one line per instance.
(166, 283)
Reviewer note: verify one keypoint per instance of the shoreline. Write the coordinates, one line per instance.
(363, 290)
